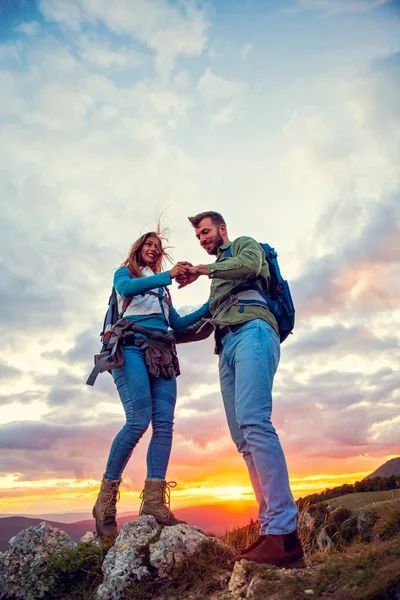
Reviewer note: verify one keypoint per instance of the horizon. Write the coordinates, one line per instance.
(283, 117)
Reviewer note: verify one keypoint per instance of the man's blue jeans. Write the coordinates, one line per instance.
(146, 400)
(248, 360)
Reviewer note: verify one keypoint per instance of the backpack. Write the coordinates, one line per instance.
(109, 341)
(278, 298)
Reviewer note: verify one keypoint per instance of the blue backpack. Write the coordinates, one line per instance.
(278, 297)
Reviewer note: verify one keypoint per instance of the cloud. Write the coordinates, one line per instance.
(29, 28)
(340, 6)
(169, 30)
(216, 89)
(245, 50)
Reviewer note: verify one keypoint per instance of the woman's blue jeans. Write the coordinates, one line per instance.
(248, 360)
(146, 400)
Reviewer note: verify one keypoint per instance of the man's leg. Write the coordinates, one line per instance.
(255, 352)
(227, 381)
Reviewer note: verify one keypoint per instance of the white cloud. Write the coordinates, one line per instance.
(29, 27)
(216, 89)
(340, 6)
(245, 50)
(170, 30)
(98, 54)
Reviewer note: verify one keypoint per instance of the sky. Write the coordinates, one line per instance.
(283, 116)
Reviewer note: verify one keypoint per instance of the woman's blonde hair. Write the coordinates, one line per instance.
(134, 261)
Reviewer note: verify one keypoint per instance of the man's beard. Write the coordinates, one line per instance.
(216, 245)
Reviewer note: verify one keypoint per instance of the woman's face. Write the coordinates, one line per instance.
(150, 251)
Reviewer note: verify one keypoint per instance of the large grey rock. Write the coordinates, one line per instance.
(23, 564)
(175, 545)
(127, 561)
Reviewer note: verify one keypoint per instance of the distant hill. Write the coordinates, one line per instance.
(217, 519)
(389, 468)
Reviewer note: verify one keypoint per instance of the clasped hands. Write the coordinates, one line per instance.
(185, 273)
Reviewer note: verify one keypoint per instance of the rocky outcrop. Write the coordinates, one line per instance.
(175, 545)
(23, 564)
(142, 551)
(127, 562)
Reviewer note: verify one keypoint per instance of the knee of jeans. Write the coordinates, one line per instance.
(164, 426)
(247, 424)
(138, 422)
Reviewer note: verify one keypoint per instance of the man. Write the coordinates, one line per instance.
(248, 344)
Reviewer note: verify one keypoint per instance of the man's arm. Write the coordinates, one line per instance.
(246, 263)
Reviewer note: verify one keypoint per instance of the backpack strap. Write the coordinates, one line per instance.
(100, 362)
(127, 301)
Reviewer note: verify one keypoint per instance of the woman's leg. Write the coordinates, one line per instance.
(163, 393)
(156, 489)
(133, 385)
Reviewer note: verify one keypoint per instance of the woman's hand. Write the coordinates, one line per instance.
(179, 270)
(191, 275)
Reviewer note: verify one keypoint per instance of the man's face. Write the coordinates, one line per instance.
(209, 235)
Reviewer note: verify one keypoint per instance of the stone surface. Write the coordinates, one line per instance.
(127, 561)
(90, 538)
(239, 581)
(324, 542)
(175, 545)
(28, 555)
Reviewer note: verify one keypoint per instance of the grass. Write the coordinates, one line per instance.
(357, 568)
(363, 499)
(205, 573)
(76, 574)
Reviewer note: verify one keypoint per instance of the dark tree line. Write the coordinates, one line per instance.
(375, 484)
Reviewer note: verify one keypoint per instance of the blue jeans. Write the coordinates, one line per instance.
(146, 400)
(248, 360)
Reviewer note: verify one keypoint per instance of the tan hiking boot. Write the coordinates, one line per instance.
(156, 501)
(280, 550)
(105, 509)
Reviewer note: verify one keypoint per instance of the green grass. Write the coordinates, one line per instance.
(363, 499)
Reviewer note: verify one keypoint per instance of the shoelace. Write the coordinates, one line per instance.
(111, 500)
(167, 493)
(165, 498)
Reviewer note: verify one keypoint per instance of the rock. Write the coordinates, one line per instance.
(365, 523)
(90, 538)
(324, 542)
(175, 545)
(127, 561)
(239, 581)
(256, 586)
(23, 564)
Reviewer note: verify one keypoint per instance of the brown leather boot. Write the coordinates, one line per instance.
(105, 509)
(279, 550)
(156, 501)
(252, 546)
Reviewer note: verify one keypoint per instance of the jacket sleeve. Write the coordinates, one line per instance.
(246, 261)
(128, 287)
(177, 322)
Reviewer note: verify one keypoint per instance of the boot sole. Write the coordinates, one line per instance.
(296, 564)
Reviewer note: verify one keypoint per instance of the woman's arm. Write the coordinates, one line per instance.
(177, 322)
(128, 287)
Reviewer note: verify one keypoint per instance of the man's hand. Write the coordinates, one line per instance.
(192, 274)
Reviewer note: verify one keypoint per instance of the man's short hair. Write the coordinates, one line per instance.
(215, 217)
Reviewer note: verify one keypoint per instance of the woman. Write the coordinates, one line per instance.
(146, 382)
